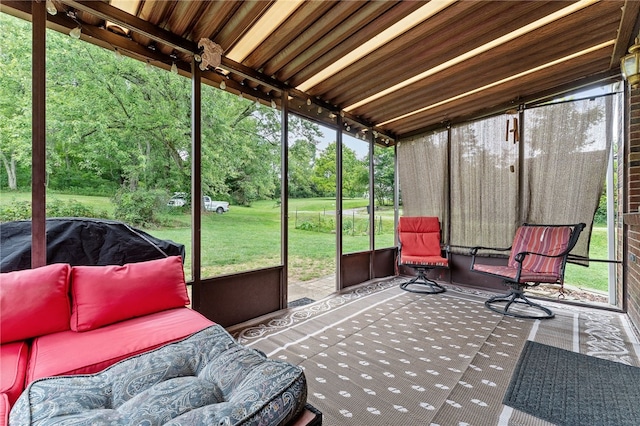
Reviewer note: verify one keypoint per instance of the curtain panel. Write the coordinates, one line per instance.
(566, 153)
(423, 177)
(545, 166)
(484, 183)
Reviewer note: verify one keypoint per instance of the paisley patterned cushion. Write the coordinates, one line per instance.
(205, 379)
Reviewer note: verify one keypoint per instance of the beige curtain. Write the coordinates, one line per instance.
(484, 183)
(566, 151)
(492, 182)
(422, 174)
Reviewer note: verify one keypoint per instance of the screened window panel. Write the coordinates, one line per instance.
(484, 183)
(422, 174)
(566, 153)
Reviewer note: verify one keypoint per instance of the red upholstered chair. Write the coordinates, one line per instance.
(420, 247)
(538, 255)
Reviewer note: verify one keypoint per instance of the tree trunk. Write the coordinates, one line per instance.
(10, 167)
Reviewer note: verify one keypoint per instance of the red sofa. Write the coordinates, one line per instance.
(64, 320)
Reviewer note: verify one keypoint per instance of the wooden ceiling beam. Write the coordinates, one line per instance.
(626, 30)
(495, 65)
(462, 113)
(109, 13)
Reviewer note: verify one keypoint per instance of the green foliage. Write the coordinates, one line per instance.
(21, 210)
(139, 207)
(600, 218)
(301, 159)
(354, 173)
(384, 175)
(18, 210)
(115, 123)
(72, 208)
(316, 222)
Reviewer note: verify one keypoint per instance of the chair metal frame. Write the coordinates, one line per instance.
(421, 283)
(518, 285)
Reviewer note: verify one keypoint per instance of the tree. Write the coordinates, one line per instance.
(15, 101)
(301, 161)
(324, 172)
(116, 123)
(355, 174)
(383, 175)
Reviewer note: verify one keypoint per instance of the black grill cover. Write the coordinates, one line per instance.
(82, 241)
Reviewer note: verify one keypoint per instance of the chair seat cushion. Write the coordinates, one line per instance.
(91, 351)
(509, 272)
(423, 260)
(13, 365)
(205, 379)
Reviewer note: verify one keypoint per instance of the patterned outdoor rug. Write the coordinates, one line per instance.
(300, 302)
(378, 355)
(572, 389)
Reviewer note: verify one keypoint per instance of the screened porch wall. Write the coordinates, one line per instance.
(542, 165)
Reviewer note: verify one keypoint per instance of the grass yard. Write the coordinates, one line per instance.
(247, 238)
(596, 275)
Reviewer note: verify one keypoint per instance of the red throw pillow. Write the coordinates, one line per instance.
(104, 295)
(34, 302)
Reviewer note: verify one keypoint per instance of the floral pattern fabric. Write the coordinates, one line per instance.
(205, 379)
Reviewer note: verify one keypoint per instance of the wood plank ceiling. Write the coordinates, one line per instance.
(398, 67)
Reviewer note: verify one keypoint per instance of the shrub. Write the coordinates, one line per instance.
(139, 207)
(18, 210)
(21, 210)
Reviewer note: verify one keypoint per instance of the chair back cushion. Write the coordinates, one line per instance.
(419, 236)
(549, 240)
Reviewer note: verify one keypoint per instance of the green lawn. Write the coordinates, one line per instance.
(596, 275)
(249, 237)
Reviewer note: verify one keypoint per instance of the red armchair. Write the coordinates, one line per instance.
(538, 255)
(420, 247)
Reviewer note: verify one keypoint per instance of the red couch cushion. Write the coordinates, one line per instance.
(13, 366)
(4, 409)
(34, 302)
(68, 352)
(104, 295)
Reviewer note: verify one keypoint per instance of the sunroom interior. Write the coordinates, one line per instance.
(497, 113)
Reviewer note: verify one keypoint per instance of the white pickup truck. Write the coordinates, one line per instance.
(179, 199)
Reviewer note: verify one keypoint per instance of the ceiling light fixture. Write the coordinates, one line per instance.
(223, 85)
(174, 67)
(630, 64)
(51, 8)
(76, 32)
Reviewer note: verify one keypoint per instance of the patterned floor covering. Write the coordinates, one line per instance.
(377, 355)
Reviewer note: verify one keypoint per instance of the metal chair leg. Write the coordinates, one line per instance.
(517, 296)
(421, 284)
